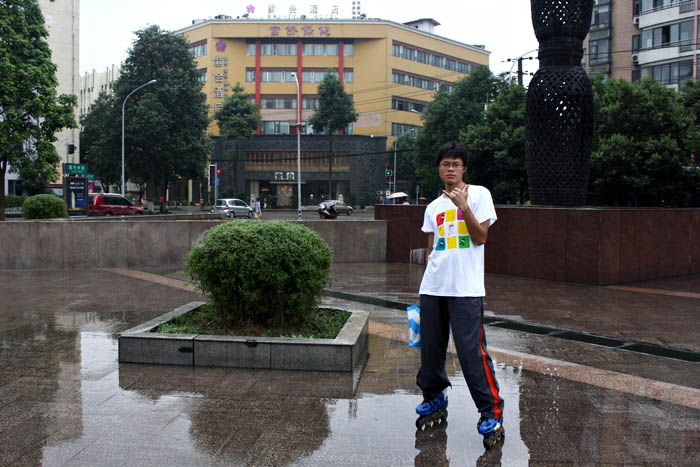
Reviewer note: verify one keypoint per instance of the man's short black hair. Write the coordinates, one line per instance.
(452, 149)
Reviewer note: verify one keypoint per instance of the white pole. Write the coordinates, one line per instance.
(296, 80)
(123, 108)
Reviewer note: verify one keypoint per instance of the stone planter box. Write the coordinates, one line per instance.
(344, 353)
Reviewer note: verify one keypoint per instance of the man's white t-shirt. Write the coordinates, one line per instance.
(456, 265)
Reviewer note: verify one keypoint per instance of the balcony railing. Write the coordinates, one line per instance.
(683, 46)
(685, 6)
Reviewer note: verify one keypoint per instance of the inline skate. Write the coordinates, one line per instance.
(432, 412)
(491, 429)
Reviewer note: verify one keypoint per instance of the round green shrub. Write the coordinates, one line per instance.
(44, 207)
(264, 273)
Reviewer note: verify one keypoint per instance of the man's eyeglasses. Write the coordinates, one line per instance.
(454, 165)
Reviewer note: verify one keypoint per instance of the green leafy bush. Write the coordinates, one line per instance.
(44, 207)
(14, 201)
(266, 273)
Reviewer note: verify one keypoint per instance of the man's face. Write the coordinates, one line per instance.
(451, 170)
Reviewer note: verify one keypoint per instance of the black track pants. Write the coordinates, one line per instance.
(466, 316)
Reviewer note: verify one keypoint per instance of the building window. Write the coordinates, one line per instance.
(400, 129)
(278, 103)
(274, 127)
(250, 49)
(601, 16)
(317, 76)
(250, 76)
(319, 49)
(198, 49)
(408, 53)
(203, 76)
(408, 106)
(415, 81)
(309, 103)
(599, 51)
(348, 76)
(635, 43)
(278, 49)
(636, 75)
(673, 73)
(348, 50)
(679, 34)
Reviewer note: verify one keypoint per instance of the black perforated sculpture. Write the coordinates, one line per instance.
(559, 111)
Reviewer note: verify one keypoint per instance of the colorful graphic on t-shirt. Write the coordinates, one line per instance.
(452, 230)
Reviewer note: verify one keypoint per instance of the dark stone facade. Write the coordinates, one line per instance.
(366, 156)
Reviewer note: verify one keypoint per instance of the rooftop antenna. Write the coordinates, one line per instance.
(292, 12)
(314, 11)
(270, 11)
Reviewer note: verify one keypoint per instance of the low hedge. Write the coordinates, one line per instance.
(265, 273)
(44, 207)
(14, 201)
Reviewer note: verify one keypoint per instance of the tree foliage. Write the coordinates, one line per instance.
(100, 140)
(238, 119)
(643, 143)
(30, 111)
(165, 123)
(497, 146)
(335, 112)
(448, 115)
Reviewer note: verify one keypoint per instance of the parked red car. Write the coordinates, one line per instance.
(111, 204)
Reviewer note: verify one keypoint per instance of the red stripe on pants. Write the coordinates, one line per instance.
(489, 375)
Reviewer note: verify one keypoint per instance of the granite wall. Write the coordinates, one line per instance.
(136, 243)
(586, 245)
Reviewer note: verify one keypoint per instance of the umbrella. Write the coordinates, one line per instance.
(398, 194)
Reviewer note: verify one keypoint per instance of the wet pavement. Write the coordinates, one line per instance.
(66, 401)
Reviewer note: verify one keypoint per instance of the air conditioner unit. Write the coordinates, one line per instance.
(635, 58)
(635, 20)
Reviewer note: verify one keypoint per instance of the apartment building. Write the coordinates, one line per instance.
(94, 83)
(390, 70)
(644, 38)
(61, 20)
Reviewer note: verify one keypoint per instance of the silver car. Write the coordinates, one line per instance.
(233, 208)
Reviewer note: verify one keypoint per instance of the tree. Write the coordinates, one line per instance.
(238, 119)
(30, 111)
(497, 146)
(405, 163)
(449, 114)
(335, 112)
(100, 140)
(165, 123)
(643, 143)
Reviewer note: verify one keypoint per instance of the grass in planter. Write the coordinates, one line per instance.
(325, 324)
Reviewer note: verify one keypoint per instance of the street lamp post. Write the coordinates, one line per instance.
(123, 108)
(298, 125)
(396, 141)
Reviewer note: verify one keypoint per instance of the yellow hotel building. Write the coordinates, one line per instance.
(390, 70)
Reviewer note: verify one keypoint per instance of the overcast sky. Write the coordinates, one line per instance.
(503, 26)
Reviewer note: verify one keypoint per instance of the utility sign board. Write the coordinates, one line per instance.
(75, 169)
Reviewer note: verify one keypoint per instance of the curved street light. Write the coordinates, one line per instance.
(123, 107)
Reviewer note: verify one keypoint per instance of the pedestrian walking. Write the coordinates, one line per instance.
(451, 296)
(257, 208)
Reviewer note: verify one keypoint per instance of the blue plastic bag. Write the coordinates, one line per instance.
(413, 325)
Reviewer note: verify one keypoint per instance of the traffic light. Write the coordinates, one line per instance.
(218, 171)
(388, 172)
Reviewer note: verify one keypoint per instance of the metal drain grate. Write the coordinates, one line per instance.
(549, 331)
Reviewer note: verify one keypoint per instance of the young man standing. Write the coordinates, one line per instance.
(451, 295)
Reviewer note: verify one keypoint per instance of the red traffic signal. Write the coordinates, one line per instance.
(218, 171)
